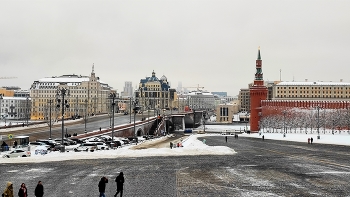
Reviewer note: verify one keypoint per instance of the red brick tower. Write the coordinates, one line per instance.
(258, 92)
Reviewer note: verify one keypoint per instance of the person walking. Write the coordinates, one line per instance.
(311, 139)
(22, 192)
(8, 192)
(226, 139)
(120, 182)
(102, 186)
(39, 189)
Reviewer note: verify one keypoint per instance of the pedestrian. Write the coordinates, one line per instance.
(226, 139)
(312, 139)
(22, 192)
(308, 140)
(171, 145)
(120, 182)
(263, 137)
(102, 186)
(15, 144)
(39, 189)
(8, 192)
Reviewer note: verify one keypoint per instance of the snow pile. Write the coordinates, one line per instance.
(191, 146)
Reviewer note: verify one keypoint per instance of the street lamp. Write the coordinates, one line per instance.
(284, 123)
(333, 126)
(50, 123)
(135, 111)
(27, 117)
(85, 115)
(318, 122)
(62, 92)
(112, 96)
(0, 104)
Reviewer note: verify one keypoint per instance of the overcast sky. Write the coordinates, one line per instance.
(210, 43)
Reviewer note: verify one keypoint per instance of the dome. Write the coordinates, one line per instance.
(163, 78)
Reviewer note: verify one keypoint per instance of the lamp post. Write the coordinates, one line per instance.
(27, 117)
(0, 104)
(112, 96)
(85, 114)
(64, 104)
(284, 123)
(135, 111)
(50, 123)
(333, 126)
(318, 122)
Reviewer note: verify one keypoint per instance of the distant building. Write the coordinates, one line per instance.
(128, 90)
(14, 108)
(153, 93)
(87, 94)
(224, 113)
(220, 94)
(244, 99)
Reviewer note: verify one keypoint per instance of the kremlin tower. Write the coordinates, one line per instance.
(258, 92)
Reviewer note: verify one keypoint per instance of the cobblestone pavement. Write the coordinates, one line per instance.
(260, 168)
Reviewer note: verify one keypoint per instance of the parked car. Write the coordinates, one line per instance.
(86, 147)
(51, 143)
(37, 144)
(126, 113)
(101, 146)
(17, 153)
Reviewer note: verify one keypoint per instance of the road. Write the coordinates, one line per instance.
(260, 168)
(93, 123)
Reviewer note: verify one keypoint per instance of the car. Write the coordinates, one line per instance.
(17, 153)
(51, 143)
(86, 147)
(126, 113)
(101, 146)
(37, 144)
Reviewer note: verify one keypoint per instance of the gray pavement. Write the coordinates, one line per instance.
(260, 168)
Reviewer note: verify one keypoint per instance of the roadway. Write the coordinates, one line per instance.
(78, 126)
(260, 168)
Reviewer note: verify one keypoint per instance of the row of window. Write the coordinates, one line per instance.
(312, 96)
(319, 88)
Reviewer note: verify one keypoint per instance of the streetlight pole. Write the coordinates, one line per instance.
(50, 101)
(0, 104)
(284, 123)
(333, 126)
(318, 122)
(135, 111)
(27, 117)
(62, 92)
(130, 110)
(112, 96)
(85, 115)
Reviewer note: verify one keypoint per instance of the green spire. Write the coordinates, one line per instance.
(259, 56)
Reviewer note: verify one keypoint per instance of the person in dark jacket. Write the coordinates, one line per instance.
(102, 186)
(39, 190)
(120, 183)
(22, 192)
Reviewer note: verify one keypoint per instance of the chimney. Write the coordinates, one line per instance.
(305, 80)
(341, 80)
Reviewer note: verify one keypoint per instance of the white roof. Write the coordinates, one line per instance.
(312, 83)
(13, 98)
(64, 79)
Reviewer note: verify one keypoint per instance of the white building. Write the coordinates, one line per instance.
(199, 100)
(14, 108)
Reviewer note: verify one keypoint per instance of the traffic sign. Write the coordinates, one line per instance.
(10, 136)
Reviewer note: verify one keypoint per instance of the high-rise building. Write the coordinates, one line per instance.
(128, 90)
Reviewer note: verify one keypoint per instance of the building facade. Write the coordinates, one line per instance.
(258, 92)
(86, 95)
(153, 93)
(14, 108)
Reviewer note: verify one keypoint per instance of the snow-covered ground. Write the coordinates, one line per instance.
(191, 146)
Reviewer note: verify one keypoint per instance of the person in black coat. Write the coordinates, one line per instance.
(22, 192)
(39, 190)
(120, 183)
(102, 186)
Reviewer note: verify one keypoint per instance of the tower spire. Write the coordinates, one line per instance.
(259, 56)
(93, 68)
